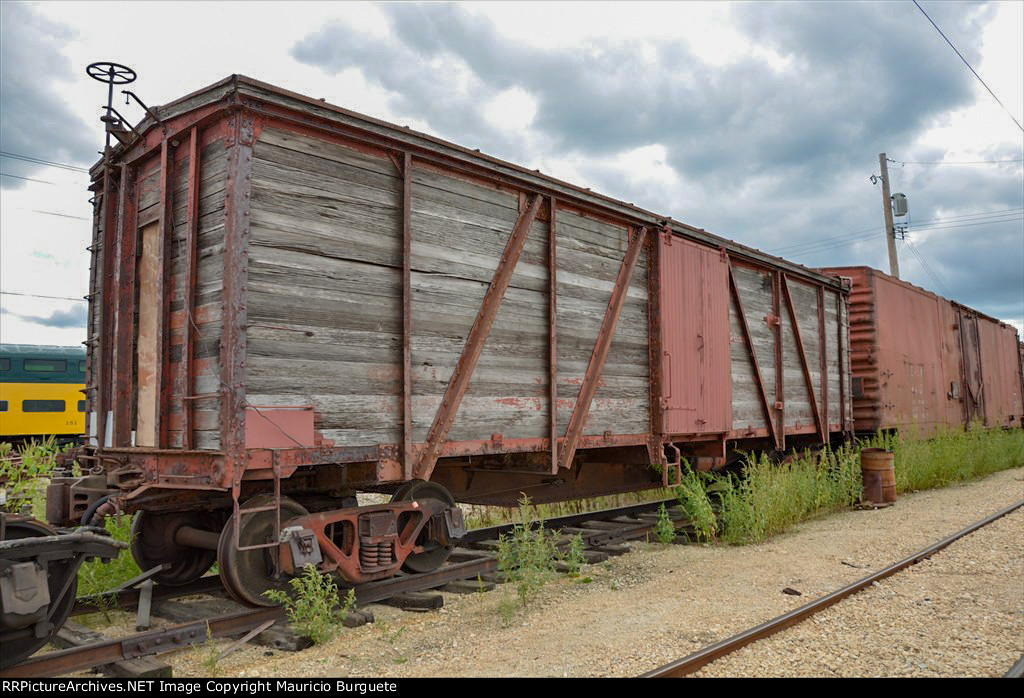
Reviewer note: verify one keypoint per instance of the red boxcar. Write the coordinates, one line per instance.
(921, 362)
(292, 302)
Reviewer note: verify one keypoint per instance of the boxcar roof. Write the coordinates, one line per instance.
(235, 86)
(907, 284)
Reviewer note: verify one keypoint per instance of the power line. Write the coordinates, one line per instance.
(27, 179)
(827, 244)
(37, 295)
(956, 162)
(997, 216)
(928, 269)
(39, 161)
(969, 66)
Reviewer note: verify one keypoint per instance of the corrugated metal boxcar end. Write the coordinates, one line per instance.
(291, 302)
(923, 363)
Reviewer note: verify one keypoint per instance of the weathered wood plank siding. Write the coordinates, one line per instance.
(325, 300)
(324, 291)
(755, 289)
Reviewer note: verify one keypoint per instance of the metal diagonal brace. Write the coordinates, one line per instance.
(604, 342)
(805, 367)
(459, 383)
(768, 416)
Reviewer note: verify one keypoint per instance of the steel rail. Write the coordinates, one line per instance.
(195, 632)
(691, 663)
(1017, 670)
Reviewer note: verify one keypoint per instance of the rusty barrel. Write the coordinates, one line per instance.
(879, 475)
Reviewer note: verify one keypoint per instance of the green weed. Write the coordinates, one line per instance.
(664, 529)
(313, 607)
(97, 578)
(573, 556)
(696, 503)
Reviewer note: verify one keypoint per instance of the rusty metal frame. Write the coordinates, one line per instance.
(163, 302)
(124, 333)
(768, 417)
(803, 357)
(235, 276)
(101, 365)
(780, 369)
(842, 364)
(553, 329)
(407, 453)
(655, 338)
(823, 359)
(592, 377)
(348, 563)
(185, 369)
(463, 373)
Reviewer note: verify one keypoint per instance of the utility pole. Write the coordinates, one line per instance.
(890, 229)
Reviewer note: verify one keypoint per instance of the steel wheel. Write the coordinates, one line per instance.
(153, 544)
(16, 645)
(246, 574)
(434, 554)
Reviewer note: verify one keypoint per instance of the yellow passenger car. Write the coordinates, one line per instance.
(41, 391)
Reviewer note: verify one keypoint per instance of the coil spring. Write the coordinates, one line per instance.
(375, 554)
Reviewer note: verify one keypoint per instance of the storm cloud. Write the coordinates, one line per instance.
(35, 121)
(774, 154)
(73, 317)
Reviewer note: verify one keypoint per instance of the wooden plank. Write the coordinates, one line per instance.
(762, 392)
(803, 358)
(592, 377)
(459, 383)
(147, 386)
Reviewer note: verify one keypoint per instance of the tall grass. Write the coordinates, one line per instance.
(25, 474)
(953, 455)
(768, 498)
(771, 497)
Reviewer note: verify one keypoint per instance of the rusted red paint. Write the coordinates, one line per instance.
(922, 362)
(279, 427)
(696, 352)
(124, 330)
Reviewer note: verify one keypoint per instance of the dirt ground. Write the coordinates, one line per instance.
(657, 604)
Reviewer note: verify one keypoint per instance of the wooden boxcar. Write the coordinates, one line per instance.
(922, 362)
(292, 301)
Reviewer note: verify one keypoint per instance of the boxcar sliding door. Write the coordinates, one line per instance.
(695, 324)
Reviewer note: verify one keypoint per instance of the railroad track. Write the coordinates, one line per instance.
(601, 531)
(695, 661)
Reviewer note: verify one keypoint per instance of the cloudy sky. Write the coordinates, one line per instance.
(760, 122)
